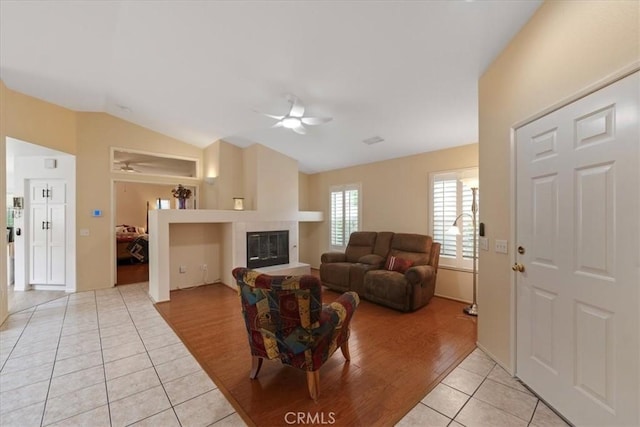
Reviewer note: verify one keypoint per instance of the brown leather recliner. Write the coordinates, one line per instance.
(365, 251)
(414, 288)
(361, 268)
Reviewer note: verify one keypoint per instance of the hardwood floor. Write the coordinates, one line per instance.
(396, 359)
(132, 273)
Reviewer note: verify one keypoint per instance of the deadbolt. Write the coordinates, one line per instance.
(520, 250)
(518, 267)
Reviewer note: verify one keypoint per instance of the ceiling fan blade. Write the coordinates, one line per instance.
(277, 125)
(297, 109)
(299, 129)
(315, 120)
(269, 115)
(274, 117)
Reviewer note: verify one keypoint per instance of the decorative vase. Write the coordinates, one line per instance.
(182, 203)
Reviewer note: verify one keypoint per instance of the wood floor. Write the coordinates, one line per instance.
(135, 272)
(396, 359)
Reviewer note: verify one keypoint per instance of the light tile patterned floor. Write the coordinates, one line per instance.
(102, 358)
(478, 392)
(107, 358)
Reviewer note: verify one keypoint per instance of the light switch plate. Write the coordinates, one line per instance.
(484, 243)
(501, 247)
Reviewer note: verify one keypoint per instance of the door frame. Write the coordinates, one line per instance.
(594, 87)
(150, 180)
(65, 172)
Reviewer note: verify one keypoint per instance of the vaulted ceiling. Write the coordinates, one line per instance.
(403, 71)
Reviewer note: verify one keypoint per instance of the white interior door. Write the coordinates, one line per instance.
(38, 244)
(47, 232)
(57, 192)
(578, 224)
(56, 249)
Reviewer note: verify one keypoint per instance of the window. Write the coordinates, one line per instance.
(450, 198)
(345, 214)
(163, 204)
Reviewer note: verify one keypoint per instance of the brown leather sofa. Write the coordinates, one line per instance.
(365, 267)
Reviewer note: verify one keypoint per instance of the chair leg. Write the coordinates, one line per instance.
(256, 364)
(345, 350)
(313, 382)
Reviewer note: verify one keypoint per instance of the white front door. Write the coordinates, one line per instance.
(578, 227)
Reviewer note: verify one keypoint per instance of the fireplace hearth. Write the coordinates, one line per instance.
(266, 248)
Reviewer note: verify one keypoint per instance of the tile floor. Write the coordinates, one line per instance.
(21, 300)
(107, 358)
(478, 392)
(103, 358)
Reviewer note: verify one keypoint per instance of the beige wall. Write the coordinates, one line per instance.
(39, 122)
(211, 168)
(32, 120)
(276, 182)
(231, 175)
(192, 246)
(564, 48)
(250, 177)
(89, 136)
(303, 191)
(305, 229)
(395, 197)
(131, 201)
(96, 133)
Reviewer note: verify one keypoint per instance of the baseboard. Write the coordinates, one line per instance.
(451, 298)
(49, 287)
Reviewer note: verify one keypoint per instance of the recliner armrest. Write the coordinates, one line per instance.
(372, 259)
(339, 312)
(329, 257)
(419, 274)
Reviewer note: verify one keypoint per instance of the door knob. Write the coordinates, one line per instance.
(518, 267)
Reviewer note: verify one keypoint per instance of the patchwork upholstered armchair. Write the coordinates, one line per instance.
(286, 320)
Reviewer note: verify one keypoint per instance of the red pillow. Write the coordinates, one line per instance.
(398, 264)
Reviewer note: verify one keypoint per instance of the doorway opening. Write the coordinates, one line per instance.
(41, 261)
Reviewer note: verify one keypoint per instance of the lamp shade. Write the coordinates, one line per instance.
(453, 230)
(471, 182)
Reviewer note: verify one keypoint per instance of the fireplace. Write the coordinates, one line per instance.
(265, 248)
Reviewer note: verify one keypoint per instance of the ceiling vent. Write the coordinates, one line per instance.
(373, 140)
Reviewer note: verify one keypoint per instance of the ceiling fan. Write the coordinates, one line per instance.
(295, 118)
(126, 167)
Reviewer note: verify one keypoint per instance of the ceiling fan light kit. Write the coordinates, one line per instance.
(291, 122)
(127, 168)
(295, 119)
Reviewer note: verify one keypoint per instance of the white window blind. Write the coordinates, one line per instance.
(345, 214)
(451, 198)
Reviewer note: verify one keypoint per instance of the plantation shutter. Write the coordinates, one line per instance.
(450, 199)
(337, 210)
(444, 213)
(345, 214)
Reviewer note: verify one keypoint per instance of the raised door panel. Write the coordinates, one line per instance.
(57, 192)
(56, 245)
(38, 242)
(38, 192)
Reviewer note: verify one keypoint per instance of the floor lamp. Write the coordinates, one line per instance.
(471, 310)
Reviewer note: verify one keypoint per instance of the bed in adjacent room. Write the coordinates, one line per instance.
(131, 243)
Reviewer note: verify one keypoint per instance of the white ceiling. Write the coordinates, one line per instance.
(197, 70)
